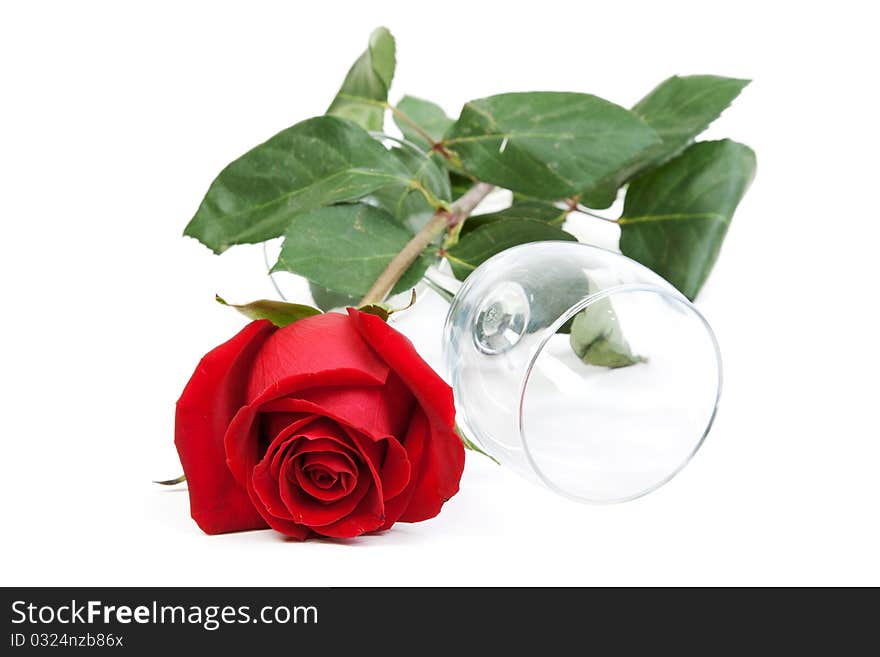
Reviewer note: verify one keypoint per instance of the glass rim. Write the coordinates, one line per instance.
(670, 294)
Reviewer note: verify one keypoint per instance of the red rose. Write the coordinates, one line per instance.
(332, 425)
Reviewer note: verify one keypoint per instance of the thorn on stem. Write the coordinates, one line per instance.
(452, 218)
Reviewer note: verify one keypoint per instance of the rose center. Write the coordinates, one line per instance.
(322, 477)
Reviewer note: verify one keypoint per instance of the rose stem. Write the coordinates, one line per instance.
(441, 220)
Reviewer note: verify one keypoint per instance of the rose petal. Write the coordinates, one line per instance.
(259, 493)
(432, 392)
(312, 427)
(367, 517)
(330, 456)
(266, 474)
(265, 487)
(371, 451)
(318, 454)
(242, 440)
(414, 443)
(275, 483)
(293, 404)
(284, 438)
(438, 476)
(279, 455)
(387, 455)
(312, 345)
(341, 476)
(377, 411)
(438, 473)
(306, 510)
(271, 424)
(218, 503)
(395, 470)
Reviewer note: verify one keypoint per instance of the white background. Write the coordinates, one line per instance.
(114, 119)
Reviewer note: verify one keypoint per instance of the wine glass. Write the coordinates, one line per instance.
(581, 369)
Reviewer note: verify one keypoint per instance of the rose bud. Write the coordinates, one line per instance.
(332, 425)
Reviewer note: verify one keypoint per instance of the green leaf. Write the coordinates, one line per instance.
(459, 184)
(345, 247)
(380, 310)
(472, 446)
(317, 162)
(537, 210)
(549, 145)
(364, 91)
(280, 313)
(603, 194)
(328, 299)
(484, 242)
(596, 337)
(384, 311)
(424, 124)
(426, 115)
(679, 109)
(676, 216)
(407, 203)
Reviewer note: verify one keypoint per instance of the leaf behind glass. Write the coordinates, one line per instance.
(484, 242)
(537, 210)
(597, 339)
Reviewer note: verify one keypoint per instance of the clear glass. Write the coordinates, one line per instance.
(589, 432)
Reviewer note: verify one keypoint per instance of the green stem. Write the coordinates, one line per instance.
(471, 446)
(442, 220)
(429, 197)
(583, 210)
(436, 146)
(406, 118)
